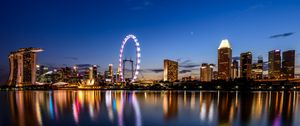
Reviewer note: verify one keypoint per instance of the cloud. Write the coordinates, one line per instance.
(185, 71)
(188, 64)
(155, 70)
(185, 61)
(282, 35)
(71, 58)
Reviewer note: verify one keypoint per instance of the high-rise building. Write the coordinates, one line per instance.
(206, 72)
(110, 72)
(83, 70)
(257, 69)
(23, 67)
(224, 60)
(274, 64)
(170, 70)
(234, 69)
(288, 64)
(95, 71)
(246, 65)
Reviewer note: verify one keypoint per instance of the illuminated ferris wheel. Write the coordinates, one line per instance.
(138, 59)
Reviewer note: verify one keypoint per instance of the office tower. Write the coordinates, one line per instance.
(206, 72)
(274, 64)
(23, 66)
(110, 72)
(91, 79)
(91, 73)
(288, 64)
(118, 78)
(234, 69)
(95, 71)
(170, 70)
(257, 69)
(246, 65)
(83, 70)
(224, 60)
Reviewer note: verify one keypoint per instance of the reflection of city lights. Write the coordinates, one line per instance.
(38, 113)
(91, 111)
(51, 106)
(137, 110)
(109, 105)
(211, 112)
(75, 114)
(261, 108)
(202, 112)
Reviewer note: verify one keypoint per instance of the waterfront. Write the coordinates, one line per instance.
(117, 107)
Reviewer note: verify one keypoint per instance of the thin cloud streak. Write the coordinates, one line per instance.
(282, 35)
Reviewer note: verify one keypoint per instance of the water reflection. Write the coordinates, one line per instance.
(121, 108)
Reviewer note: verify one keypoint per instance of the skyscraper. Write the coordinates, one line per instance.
(224, 60)
(23, 66)
(110, 72)
(170, 70)
(246, 64)
(95, 71)
(206, 72)
(257, 69)
(234, 69)
(274, 64)
(288, 64)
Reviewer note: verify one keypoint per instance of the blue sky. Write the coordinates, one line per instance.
(75, 32)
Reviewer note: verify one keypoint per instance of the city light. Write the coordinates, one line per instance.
(138, 55)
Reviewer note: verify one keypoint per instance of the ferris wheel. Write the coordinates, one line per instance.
(137, 62)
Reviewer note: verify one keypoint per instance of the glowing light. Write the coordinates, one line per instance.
(138, 49)
(139, 55)
(225, 44)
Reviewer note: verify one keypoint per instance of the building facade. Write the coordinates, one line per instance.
(288, 64)
(170, 70)
(274, 64)
(246, 65)
(206, 72)
(224, 60)
(257, 69)
(234, 69)
(23, 67)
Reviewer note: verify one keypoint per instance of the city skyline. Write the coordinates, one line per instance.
(193, 33)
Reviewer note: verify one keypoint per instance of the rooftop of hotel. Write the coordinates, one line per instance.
(225, 44)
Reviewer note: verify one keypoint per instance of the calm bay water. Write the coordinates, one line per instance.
(148, 108)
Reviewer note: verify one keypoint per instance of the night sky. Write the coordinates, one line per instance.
(190, 31)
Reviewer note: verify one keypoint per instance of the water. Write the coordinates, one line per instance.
(148, 108)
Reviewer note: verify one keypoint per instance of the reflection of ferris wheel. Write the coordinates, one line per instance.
(138, 58)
